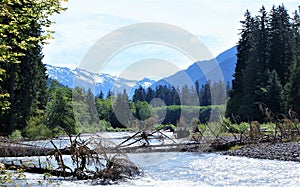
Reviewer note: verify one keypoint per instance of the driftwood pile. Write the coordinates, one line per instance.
(82, 160)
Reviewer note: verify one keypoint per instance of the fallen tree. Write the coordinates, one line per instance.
(88, 159)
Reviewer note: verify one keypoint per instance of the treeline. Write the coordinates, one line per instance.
(197, 95)
(267, 72)
(76, 110)
(164, 104)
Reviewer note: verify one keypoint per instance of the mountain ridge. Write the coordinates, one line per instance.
(225, 62)
(104, 82)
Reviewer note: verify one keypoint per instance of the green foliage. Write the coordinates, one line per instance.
(142, 110)
(59, 111)
(268, 126)
(121, 115)
(15, 135)
(100, 127)
(229, 127)
(202, 127)
(36, 128)
(171, 114)
(274, 92)
(158, 126)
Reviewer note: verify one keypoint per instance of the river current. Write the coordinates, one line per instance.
(196, 169)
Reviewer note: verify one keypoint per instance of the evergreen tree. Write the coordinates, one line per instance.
(121, 111)
(175, 99)
(101, 95)
(185, 95)
(243, 51)
(91, 108)
(142, 110)
(205, 94)
(109, 94)
(150, 94)
(197, 87)
(218, 93)
(274, 91)
(59, 111)
(161, 92)
(281, 43)
(139, 94)
(267, 53)
(252, 78)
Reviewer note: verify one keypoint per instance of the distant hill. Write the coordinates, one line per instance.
(226, 62)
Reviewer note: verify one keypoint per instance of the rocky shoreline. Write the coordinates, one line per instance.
(287, 151)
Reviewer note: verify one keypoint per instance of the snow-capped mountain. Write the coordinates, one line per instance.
(225, 63)
(96, 82)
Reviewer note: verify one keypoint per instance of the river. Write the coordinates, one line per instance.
(196, 169)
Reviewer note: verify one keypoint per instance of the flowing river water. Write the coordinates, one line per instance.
(199, 169)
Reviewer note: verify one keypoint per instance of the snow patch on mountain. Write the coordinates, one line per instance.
(96, 82)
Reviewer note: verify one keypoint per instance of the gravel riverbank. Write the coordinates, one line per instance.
(289, 151)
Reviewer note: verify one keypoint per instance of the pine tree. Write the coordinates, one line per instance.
(91, 108)
(122, 113)
(142, 110)
(274, 91)
(205, 94)
(59, 111)
(150, 95)
(243, 52)
(139, 94)
(282, 47)
(101, 95)
(267, 53)
(175, 99)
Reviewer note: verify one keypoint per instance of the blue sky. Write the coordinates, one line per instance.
(215, 23)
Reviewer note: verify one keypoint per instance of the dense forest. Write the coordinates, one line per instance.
(267, 71)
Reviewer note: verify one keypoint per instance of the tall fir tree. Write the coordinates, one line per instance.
(59, 110)
(91, 108)
(243, 52)
(274, 93)
(121, 111)
(266, 63)
(150, 95)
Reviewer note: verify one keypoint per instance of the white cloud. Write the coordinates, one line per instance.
(215, 23)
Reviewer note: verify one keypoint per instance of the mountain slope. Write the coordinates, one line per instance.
(225, 61)
(97, 82)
